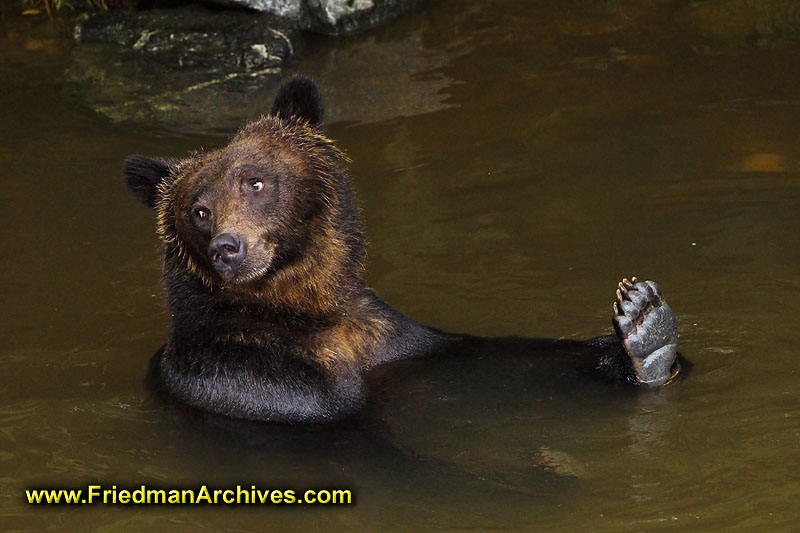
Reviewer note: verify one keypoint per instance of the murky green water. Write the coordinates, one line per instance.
(513, 160)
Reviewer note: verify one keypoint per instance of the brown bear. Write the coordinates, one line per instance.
(271, 318)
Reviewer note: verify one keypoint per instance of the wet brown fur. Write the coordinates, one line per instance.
(325, 283)
(288, 333)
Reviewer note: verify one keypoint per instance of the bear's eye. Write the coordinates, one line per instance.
(256, 185)
(201, 214)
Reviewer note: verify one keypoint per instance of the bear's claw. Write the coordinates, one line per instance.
(648, 330)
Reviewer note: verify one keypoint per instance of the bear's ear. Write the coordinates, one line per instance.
(142, 176)
(299, 98)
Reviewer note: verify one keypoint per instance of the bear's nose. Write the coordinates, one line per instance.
(226, 252)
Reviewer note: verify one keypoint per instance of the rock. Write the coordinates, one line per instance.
(284, 8)
(189, 38)
(162, 66)
(345, 17)
(331, 17)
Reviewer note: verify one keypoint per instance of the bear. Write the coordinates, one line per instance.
(263, 252)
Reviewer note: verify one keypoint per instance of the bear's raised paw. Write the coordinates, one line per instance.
(648, 330)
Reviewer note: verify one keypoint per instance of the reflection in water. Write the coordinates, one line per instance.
(513, 160)
(650, 424)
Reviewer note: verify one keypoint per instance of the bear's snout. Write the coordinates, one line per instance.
(226, 252)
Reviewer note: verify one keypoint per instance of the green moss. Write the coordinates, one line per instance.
(59, 7)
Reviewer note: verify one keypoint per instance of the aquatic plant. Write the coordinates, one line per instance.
(51, 7)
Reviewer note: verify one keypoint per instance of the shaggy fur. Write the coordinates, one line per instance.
(289, 334)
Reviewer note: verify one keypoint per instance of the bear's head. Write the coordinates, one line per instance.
(269, 216)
